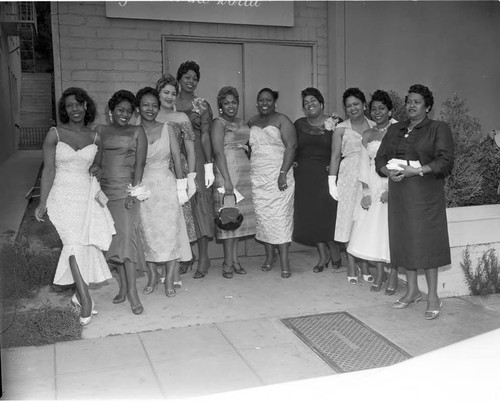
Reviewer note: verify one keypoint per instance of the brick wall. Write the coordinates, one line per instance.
(106, 54)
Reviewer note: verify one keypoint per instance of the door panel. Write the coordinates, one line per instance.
(220, 65)
(286, 69)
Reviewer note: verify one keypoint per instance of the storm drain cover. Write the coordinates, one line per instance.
(344, 342)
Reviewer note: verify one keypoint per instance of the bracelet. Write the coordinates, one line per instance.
(421, 171)
(282, 172)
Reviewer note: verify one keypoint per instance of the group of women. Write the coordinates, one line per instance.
(144, 192)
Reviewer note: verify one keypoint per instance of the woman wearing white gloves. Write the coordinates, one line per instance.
(343, 172)
(200, 115)
(168, 88)
(162, 224)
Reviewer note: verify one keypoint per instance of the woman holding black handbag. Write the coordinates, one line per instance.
(229, 136)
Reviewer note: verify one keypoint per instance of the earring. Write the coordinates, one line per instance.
(110, 117)
(220, 110)
(390, 114)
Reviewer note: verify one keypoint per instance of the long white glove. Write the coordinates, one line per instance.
(209, 174)
(191, 184)
(181, 191)
(332, 186)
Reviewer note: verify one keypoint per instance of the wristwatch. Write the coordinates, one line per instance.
(421, 171)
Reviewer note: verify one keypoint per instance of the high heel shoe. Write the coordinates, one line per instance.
(227, 273)
(186, 265)
(268, 267)
(170, 292)
(238, 270)
(85, 320)
(367, 278)
(177, 284)
(119, 299)
(76, 304)
(286, 273)
(433, 314)
(337, 264)
(150, 289)
(319, 268)
(399, 304)
(201, 273)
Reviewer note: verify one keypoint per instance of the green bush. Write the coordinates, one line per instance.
(475, 175)
(23, 270)
(41, 326)
(398, 106)
(484, 279)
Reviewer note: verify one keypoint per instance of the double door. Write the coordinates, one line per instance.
(249, 67)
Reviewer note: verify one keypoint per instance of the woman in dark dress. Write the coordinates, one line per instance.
(200, 114)
(315, 210)
(418, 228)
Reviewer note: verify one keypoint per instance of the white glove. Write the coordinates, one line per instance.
(191, 184)
(209, 174)
(332, 186)
(181, 191)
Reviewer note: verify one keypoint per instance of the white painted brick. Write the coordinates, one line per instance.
(109, 55)
(141, 55)
(125, 44)
(125, 65)
(136, 33)
(84, 75)
(133, 76)
(149, 44)
(72, 19)
(100, 43)
(107, 76)
(82, 32)
(150, 66)
(109, 33)
(73, 42)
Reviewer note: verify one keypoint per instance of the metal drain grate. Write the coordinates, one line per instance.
(344, 342)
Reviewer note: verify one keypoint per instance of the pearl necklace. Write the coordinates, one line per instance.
(383, 128)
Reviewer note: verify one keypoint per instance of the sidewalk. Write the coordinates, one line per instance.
(221, 335)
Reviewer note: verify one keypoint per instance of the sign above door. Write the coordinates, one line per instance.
(244, 12)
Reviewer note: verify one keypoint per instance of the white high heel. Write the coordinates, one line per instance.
(367, 278)
(76, 304)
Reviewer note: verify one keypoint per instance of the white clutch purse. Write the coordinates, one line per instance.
(394, 163)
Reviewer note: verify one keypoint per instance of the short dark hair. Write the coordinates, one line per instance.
(274, 94)
(146, 91)
(81, 96)
(313, 92)
(186, 66)
(120, 96)
(356, 92)
(425, 92)
(225, 91)
(383, 97)
(165, 80)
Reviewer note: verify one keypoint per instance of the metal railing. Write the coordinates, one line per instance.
(32, 137)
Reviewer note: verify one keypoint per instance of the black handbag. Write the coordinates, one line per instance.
(229, 217)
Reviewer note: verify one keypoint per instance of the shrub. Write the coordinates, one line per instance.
(23, 270)
(475, 174)
(485, 277)
(398, 106)
(41, 326)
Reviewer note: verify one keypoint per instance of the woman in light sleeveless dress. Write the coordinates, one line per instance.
(124, 155)
(346, 145)
(230, 137)
(68, 196)
(168, 88)
(370, 233)
(162, 226)
(273, 141)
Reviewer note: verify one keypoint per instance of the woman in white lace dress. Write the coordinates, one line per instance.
(273, 141)
(68, 196)
(370, 233)
(346, 144)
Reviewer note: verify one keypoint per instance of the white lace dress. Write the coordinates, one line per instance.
(85, 228)
(370, 233)
(273, 208)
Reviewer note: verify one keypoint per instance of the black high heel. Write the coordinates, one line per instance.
(238, 270)
(186, 266)
(320, 268)
(228, 274)
(337, 264)
(268, 267)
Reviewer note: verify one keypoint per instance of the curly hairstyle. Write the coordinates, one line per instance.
(382, 97)
(147, 91)
(120, 96)
(313, 92)
(187, 66)
(81, 96)
(225, 91)
(425, 92)
(167, 80)
(274, 94)
(356, 92)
